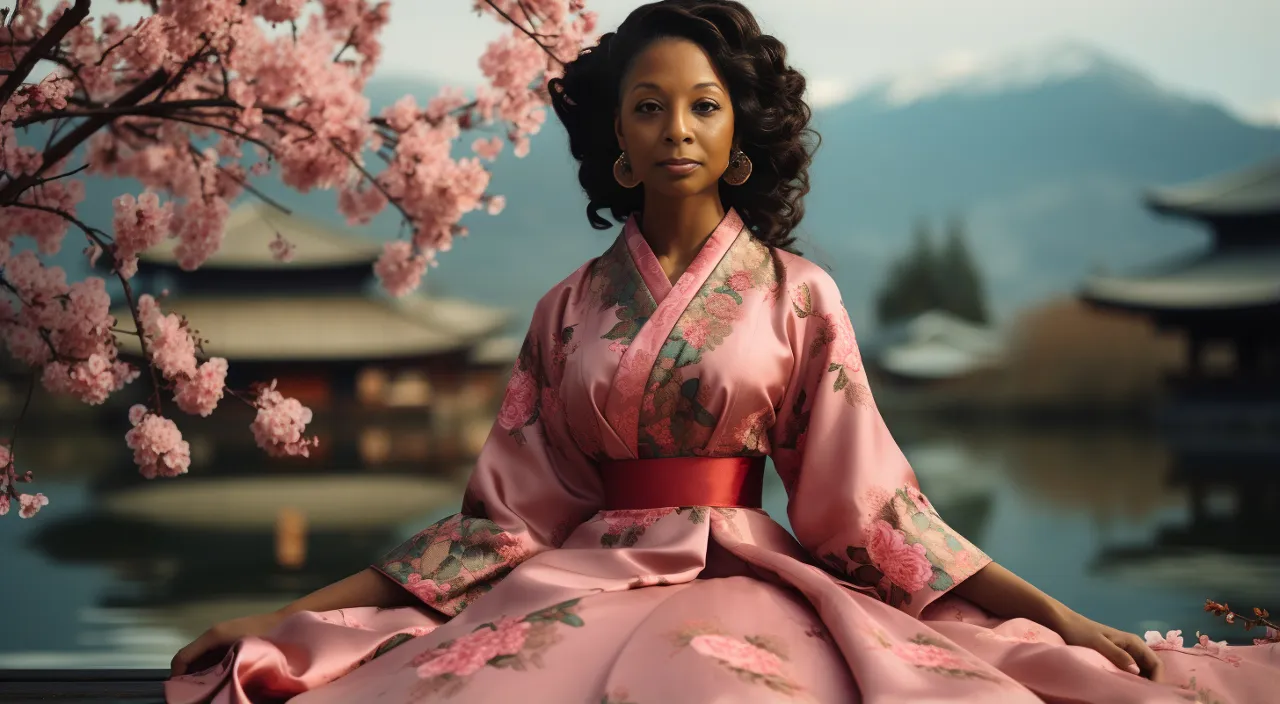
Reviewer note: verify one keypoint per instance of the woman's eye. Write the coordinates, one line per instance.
(706, 106)
(647, 107)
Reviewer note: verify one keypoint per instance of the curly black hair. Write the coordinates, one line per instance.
(771, 118)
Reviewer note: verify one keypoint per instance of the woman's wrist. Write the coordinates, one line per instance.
(1007, 595)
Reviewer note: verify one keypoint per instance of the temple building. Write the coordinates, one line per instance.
(397, 379)
(1224, 299)
(932, 348)
(1221, 417)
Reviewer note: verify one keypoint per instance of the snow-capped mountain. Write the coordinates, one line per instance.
(974, 74)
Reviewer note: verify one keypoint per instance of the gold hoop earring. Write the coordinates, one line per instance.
(622, 172)
(739, 168)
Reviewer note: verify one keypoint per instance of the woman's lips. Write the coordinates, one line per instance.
(679, 167)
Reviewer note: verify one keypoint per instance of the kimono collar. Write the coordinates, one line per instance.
(646, 262)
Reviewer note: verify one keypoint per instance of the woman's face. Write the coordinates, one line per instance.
(675, 120)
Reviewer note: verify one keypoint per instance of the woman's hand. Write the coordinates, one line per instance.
(213, 643)
(1126, 650)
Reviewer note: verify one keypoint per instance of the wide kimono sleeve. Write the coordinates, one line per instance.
(530, 487)
(854, 502)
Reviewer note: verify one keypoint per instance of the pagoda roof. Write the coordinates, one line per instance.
(1218, 279)
(251, 228)
(293, 328)
(1253, 191)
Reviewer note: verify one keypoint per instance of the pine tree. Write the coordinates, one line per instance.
(926, 278)
(959, 277)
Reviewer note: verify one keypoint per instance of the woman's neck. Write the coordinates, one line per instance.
(677, 228)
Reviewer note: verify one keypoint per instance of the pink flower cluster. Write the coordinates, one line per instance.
(738, 654)
(66, 329)
(157, 444)
(140, 224)
(400, 269)
(280, 423)
(28, 504)
(282, 250)
(468, 654)
(1171, 640)
(295, 100)
(905, 564)
(1216, 649)
(197, 389)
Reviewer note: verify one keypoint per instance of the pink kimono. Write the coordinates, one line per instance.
(536, 592)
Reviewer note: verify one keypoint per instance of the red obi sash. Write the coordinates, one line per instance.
(727, 482)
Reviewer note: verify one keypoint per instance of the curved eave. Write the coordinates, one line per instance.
(1172, 295)
(250, 230)
(1251, 192)
(323, 329)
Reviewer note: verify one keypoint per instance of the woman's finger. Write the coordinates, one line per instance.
(1148, 662)
(183, 659)
(1116, 655)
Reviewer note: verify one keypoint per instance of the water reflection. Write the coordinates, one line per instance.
(1110, 521)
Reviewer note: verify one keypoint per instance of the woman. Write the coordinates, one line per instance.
(611, 546)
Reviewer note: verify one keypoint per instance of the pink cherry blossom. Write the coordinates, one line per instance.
(905, 564)
(487, 149)
(738, 654)
(399, 268)
(289, 102)
(1171, 640)
(280, 424)
(157, 444)
(140, 224)
(199, 394)
(31, 503)
(282, 250)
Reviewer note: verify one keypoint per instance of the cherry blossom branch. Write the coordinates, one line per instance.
(55, 154)
(1261, 619)
(315, 131)
(528, 32)
(13, 437)
(69, 20)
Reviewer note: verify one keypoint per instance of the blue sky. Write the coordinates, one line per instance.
(1220, 50)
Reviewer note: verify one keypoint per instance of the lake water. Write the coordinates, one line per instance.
(122, 575)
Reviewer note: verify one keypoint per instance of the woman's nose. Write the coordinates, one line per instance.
(678, 127)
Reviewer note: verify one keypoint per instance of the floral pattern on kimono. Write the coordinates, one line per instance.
(534, 388)
(616, 284)
(879, 533)
(675, 413)
(511, 643)
(450, 563)
(755, 659)
(930, 654)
